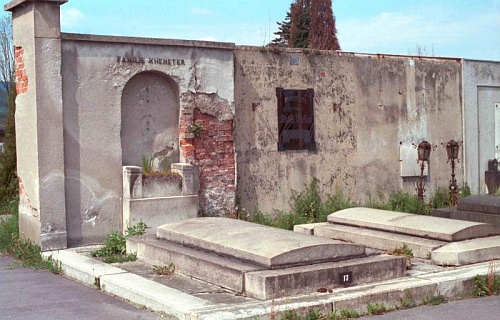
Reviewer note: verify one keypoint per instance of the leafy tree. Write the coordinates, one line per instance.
(422, 50)
(6, 56)
(8, 163)
(322, 30)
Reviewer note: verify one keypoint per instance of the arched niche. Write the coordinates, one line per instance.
(150, 116)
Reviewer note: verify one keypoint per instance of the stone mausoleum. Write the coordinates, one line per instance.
(243, 126)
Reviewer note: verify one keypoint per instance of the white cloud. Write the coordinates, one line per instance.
(207, 38)
(440, 27)
(201, 11)
(71, 17)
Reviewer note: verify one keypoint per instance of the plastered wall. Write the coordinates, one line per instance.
(366, 108)
(95, 71)
(482, 131)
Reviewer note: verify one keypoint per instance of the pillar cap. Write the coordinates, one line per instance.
(15, 3)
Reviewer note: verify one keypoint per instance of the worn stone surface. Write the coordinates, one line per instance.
(272, 284)
(251, 242)
(452, 283)
(155, 212)
(480, 203)
(468, 251)
(223, 271)
(413, 224)
(382, 240)
(453, 213)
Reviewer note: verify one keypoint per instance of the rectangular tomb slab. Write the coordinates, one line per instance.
(489, 204)
(265, 246)
(413, 224)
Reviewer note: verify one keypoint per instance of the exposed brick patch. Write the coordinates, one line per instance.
(25, 206)
(213, 151)
(21, 76)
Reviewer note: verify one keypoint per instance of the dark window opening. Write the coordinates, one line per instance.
(295, 119)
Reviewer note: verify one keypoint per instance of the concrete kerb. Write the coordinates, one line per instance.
(451, 284)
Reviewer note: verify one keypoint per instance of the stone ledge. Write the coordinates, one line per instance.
(413, 224)
(376, 239)
(468, 252)
(250, 242)
(453, 284)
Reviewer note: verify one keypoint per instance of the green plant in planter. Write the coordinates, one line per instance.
(166, 166)
(196, 129)
(147, 164)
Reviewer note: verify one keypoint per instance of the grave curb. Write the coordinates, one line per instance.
(453, 283)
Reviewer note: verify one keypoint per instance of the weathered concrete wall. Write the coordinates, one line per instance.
(366, 108)
(39, 135)
(95, 71)
(481, 90)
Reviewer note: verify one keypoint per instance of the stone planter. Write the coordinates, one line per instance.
(161, 185)
(157, 199)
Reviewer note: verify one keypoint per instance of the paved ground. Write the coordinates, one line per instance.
(481, 308)
(39, 294)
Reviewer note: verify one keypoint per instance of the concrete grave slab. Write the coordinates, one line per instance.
(260, 245)
(272, 284)
(259, 282)
(468, 252)
(377, 239)
(413, 224)
(222, 271)
(480, 203)
(454, 213)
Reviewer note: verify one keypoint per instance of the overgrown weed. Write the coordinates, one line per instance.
(115, 248)
(28, 255)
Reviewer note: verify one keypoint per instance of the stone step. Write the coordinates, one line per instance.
(467, 252)
(260, 245)
(381, 240)
(273, 284)
(223, 271)
(412, 224)
(453, 213)
(260, 283)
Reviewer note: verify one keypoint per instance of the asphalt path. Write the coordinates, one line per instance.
(469, 309)
(39, 294)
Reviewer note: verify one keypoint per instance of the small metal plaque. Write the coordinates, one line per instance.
(345, 278)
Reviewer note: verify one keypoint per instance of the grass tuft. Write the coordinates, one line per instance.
(115, 249)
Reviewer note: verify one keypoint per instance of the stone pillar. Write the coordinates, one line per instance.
(190, 177)
(39, 122)
(132, 182)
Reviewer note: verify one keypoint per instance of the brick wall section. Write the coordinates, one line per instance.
(213, 152)
(21, 76)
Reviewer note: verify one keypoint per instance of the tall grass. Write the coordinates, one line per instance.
(28, 254)
(309, 207)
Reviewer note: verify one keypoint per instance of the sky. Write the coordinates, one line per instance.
(447, 28)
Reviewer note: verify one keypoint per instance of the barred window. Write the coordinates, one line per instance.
(295, 119)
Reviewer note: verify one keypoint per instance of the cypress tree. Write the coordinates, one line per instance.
(308, 24)
(322, 31)
(283, 33)
(300, 21)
